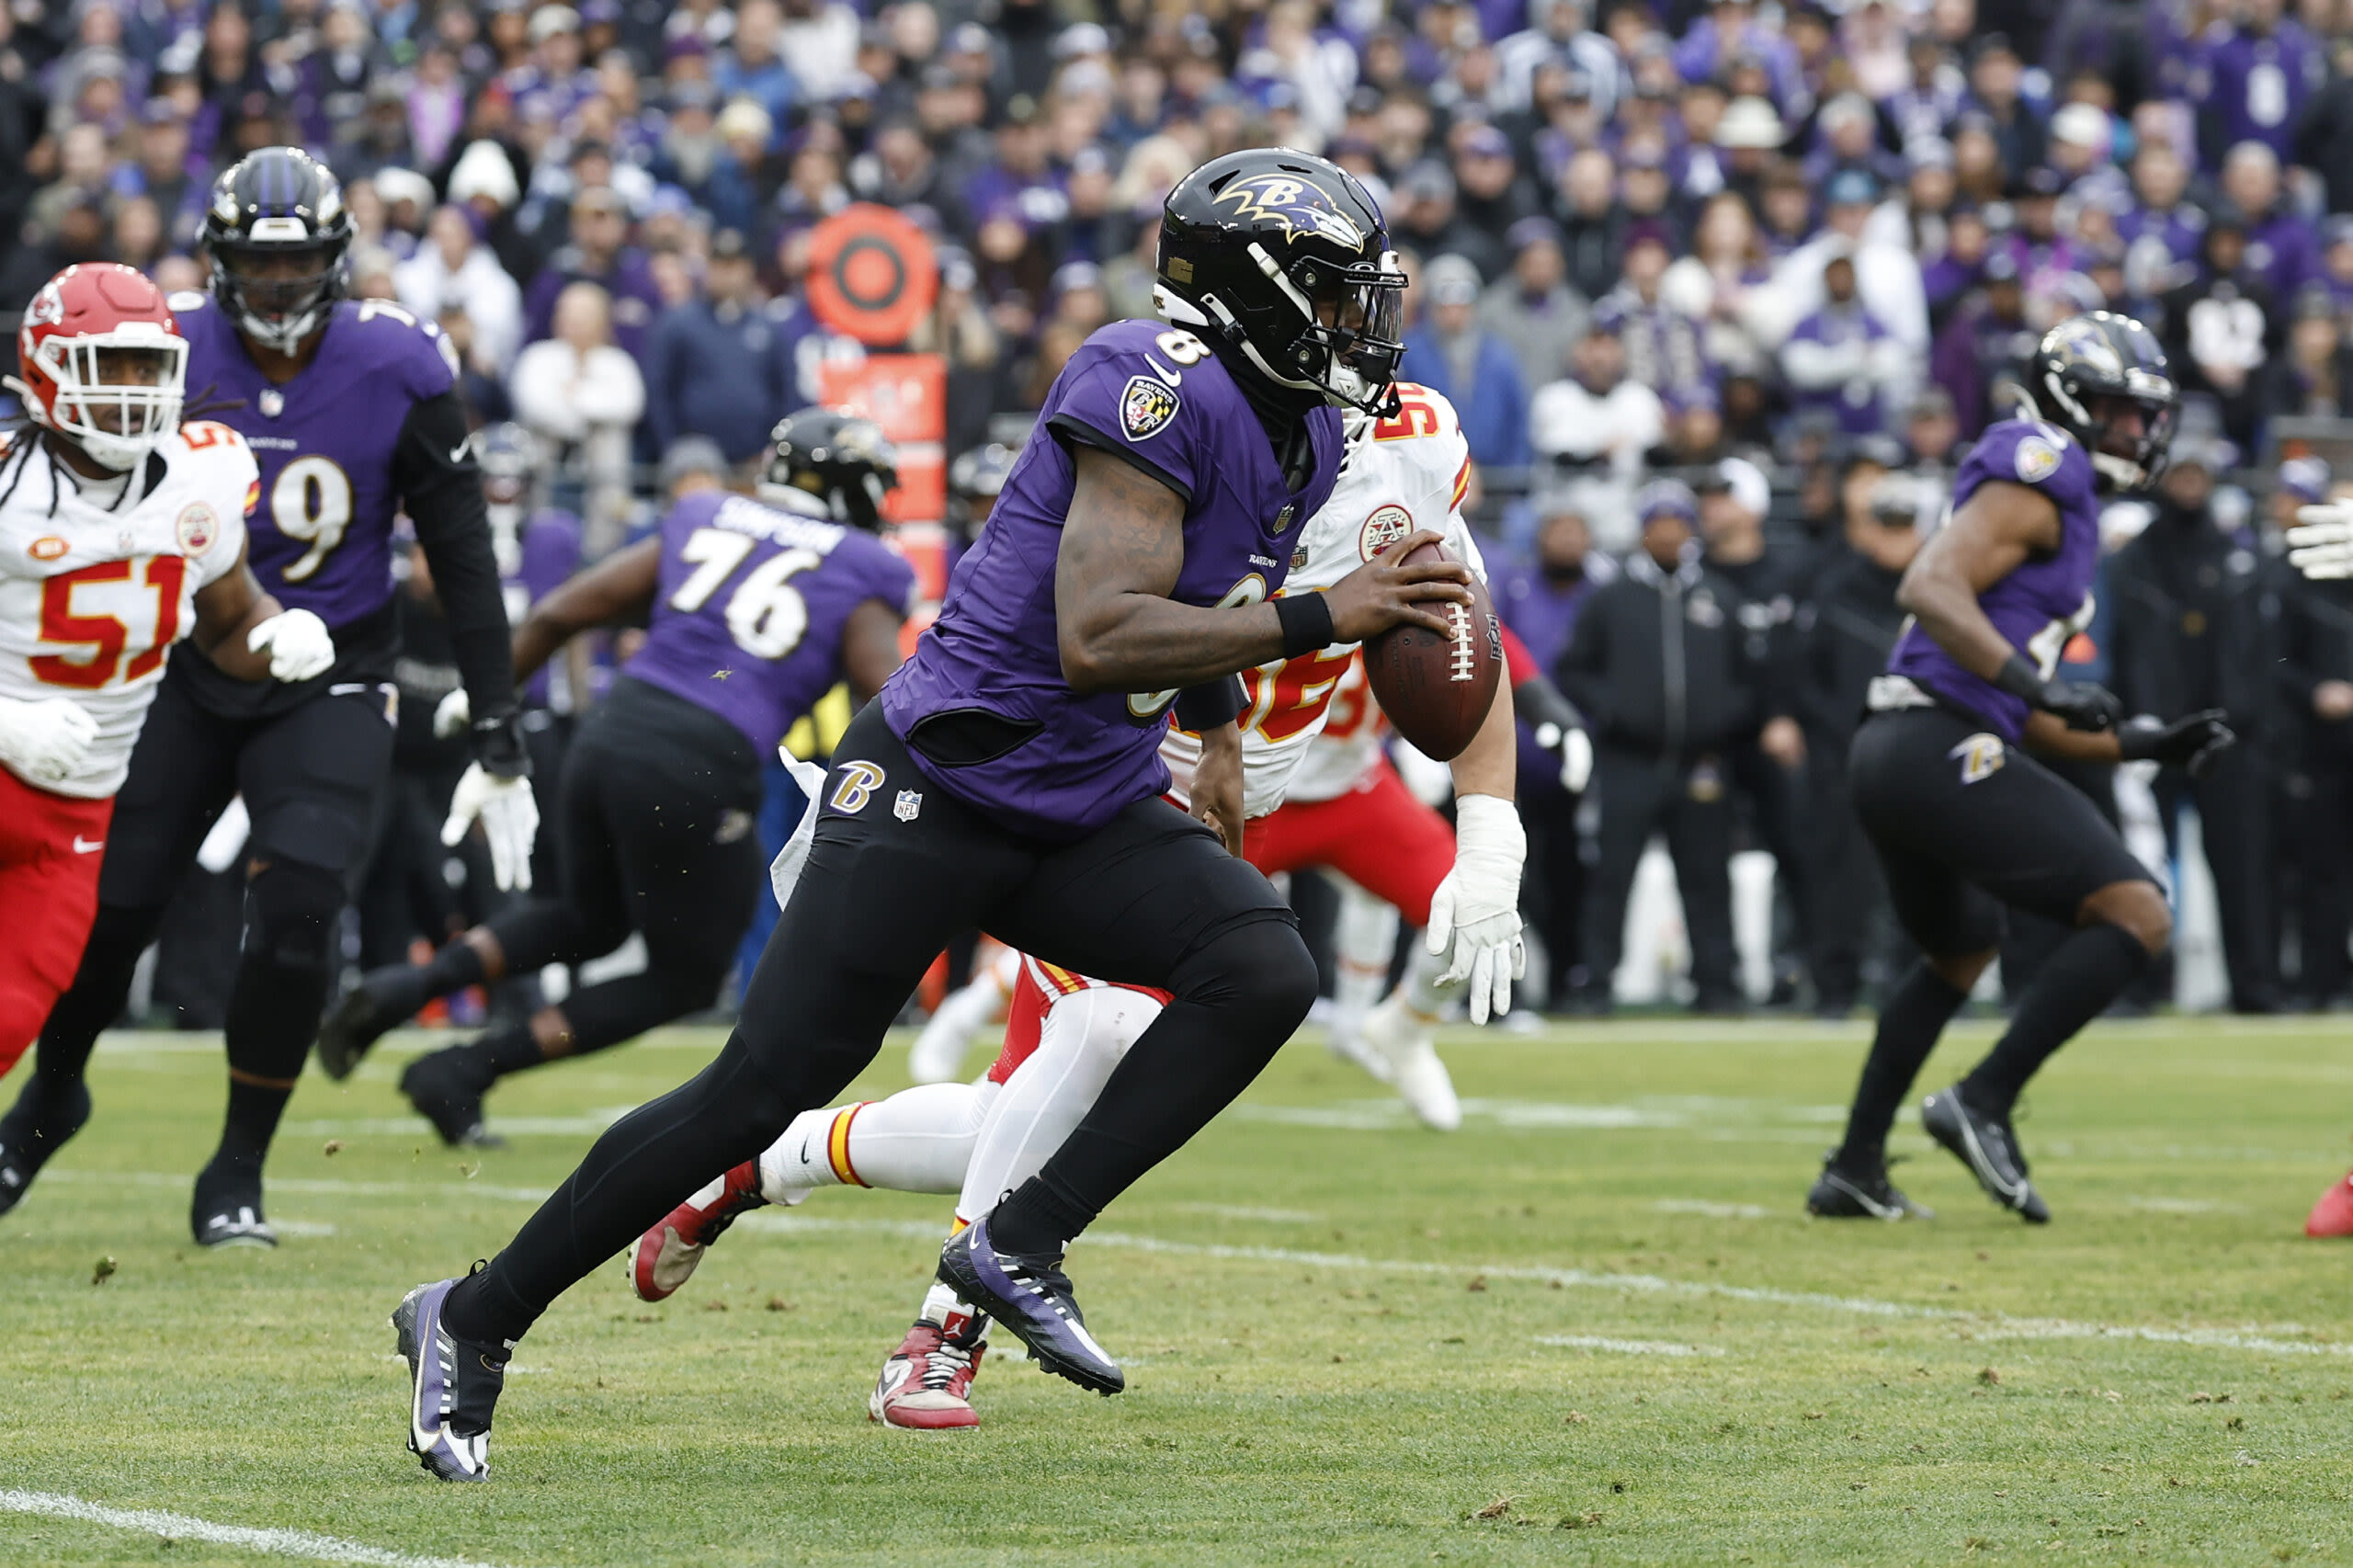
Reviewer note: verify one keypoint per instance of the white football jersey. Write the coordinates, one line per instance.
(1309, 725)
(92, 598)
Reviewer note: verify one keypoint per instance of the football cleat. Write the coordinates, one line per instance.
(1989, 1147)
(1031, 1296)
(454, 1387)
(1343, 1037)
(927, 1385)
(1404, 1040)
(384, 999)
(666, 1255)
(1859, 1192)
(226, 1212)
(33, 1130)
(2333, 1215)
(446, 1088)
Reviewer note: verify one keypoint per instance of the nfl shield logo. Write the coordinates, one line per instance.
(1146, 407)
(909, 806)
(272, 402)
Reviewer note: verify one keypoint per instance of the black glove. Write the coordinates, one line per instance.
(498, 745)
(2190, 742)
(2081, 704)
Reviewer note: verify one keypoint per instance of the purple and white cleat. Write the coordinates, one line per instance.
(454, 1387)
(1031, 1298)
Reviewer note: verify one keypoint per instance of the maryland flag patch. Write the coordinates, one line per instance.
(1146, 407)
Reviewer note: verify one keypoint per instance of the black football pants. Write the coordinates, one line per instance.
(897, 869)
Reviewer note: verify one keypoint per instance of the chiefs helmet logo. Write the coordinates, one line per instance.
(48, 306)
(1384, 527)
(197, 529)
(1296, 206)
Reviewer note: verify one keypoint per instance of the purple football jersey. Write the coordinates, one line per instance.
(1157, 391)
(2047, 599)
(748, 615)
(534, 560)
(322, 536)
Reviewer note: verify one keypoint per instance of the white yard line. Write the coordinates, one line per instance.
(1989, 1326)
(183, 1527)
(1713, 1210)
(1627, 1347)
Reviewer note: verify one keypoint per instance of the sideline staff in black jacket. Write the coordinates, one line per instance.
(1661, 667)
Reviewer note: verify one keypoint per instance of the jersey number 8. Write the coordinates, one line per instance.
(766, 613)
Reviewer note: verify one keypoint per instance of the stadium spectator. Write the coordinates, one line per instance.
(580, 394)
(716, 366)
(1532, 309)
(1595, 415)
(599, 254)
(453, 271)
(1470, 366)
(1842, 360)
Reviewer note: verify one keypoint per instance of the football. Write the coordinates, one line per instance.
(1436, 689)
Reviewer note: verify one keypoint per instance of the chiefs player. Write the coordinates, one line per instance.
(120, 533)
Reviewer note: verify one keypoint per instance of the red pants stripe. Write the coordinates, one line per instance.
(51, 846)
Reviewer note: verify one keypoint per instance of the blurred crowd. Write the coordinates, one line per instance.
(1789, 252)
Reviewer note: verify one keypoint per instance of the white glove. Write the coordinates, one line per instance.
(43, 741)
(454, 716)
(510, 821)
(784, 872)
(2322, 543)
(1476, 912)
(300, 647)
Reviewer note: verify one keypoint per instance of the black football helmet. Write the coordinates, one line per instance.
(2103, 355)
(1286, 258)
(843, 460)
(276, 204)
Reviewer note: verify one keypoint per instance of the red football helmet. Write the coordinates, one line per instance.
(102, 362)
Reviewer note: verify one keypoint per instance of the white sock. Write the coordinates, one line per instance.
(1364, 940)
(1083, 1037)
(919, 1140)
(1419, 990)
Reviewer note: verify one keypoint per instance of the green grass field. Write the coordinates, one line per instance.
(1592, 1326)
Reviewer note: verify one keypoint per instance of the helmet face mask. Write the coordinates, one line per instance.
(1286, 258)
(102, 364)
(2084, 367)
(278, 235)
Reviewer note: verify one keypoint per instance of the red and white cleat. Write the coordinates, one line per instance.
(927, 1384)
(667, 1254)
(2333, 1215)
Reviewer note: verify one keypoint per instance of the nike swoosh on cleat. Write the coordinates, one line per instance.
(1877, 1209)
(459, 453)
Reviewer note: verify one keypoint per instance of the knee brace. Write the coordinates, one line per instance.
(290, 910)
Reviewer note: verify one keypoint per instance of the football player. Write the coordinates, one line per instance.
(1945, 779)
(754, 610)
(120, 534)
(1309, 723)
(1010, 777)
(349, 411)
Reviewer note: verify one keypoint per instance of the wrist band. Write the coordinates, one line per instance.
(1306, 622)
(2020, 679)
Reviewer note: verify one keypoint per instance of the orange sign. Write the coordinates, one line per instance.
(871, 274)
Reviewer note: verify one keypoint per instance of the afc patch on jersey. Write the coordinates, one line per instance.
(1386, 526)
(1982, 756)
(2036, 460)
(1146, 407)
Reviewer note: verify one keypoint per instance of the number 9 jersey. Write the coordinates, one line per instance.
(329, 445)
(1401, 473)
(93, 596)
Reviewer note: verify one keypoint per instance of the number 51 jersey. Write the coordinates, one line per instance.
(93, 596)
(321, 536)
(749, 609)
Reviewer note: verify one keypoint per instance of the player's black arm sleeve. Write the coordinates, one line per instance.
(434, 470)
(1200, 708)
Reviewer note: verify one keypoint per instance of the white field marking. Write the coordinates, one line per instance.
(302, 1227)
(2183, 1205)
(1270, 1216)
(1627, 1347)
(2261, 1340)
(183, 1526)
(1713, 1210)
(1381, 1116)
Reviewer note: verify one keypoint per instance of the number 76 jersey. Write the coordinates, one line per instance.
(92, 595)
(750, 606)
(1397, 476)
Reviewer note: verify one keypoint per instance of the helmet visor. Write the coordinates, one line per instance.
(1357, 316)
(280, 284)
